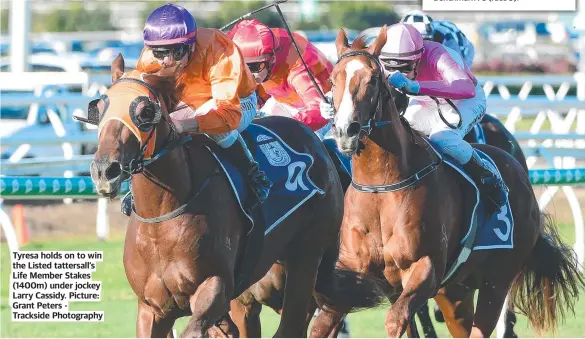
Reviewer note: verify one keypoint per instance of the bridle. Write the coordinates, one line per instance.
(139, 163)
(372, 123)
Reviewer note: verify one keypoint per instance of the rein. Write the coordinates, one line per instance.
(373, 123)
(138, 164)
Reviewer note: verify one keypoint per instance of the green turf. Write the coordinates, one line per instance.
(119, 303)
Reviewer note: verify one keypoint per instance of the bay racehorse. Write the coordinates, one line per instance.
(187, 233)
(403, 217)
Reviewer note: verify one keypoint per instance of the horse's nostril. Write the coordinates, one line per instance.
(353, 129)
(113, 171)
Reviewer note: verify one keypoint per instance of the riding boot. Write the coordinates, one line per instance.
(127, 202)
(244, 161)
(489, 182)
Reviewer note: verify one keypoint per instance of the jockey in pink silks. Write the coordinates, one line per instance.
(425, 69)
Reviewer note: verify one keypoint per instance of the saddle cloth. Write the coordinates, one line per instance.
(287, 169)
(292, 187)
(484, 232)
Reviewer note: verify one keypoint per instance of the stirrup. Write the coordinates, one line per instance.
(262, 185)
(127, 202)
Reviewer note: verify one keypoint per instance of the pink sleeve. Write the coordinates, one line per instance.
(453, 82)
(310, 115)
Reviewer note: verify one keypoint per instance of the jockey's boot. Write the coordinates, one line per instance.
(489, 182)
(127, 202)
(242, 158)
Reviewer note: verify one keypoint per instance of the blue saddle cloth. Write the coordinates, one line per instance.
(287, 169)
(493, 231)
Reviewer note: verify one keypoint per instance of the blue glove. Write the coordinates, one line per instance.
(400, 81)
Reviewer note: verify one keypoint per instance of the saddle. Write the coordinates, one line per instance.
(288, 170)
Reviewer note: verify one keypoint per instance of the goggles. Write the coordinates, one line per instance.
(177, 52)
(257, 67)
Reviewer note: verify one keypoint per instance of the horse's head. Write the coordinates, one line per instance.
(357, 84)
(127, 116)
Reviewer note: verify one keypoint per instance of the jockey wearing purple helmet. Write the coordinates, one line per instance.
(216, 88)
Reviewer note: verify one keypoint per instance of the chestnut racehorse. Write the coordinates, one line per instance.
(187, 233)
(408, 229)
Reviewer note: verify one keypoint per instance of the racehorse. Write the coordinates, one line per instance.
(187, 233)
(245, 310)
(403, 217)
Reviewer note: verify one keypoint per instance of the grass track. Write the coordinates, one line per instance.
(119, 302)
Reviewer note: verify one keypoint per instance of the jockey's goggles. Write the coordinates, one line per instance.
(177, 51)
(393, 65)
(257, 67)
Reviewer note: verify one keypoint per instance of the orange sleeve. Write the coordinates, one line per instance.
(262, 95)
(228, 76)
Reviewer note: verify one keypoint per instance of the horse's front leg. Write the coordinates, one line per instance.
(150, 325)
(209, 303)
(419, 285)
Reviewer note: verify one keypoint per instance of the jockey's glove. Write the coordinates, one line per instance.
(400, 81)
(326, 106)
(184, 119)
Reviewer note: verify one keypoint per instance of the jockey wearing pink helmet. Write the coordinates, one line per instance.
(426, 68)
(432, 73)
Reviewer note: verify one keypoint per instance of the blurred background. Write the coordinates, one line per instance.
(56, 56)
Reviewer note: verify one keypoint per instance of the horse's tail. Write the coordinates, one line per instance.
(341, 290)
(549, 282)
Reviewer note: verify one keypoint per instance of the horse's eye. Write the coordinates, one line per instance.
(148, 111)
(331, 83)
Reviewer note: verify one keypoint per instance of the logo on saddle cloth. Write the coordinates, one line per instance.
(287, 169)
(273, 151)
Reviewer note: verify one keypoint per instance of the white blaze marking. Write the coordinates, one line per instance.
(347, 107)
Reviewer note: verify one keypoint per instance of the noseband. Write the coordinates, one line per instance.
(372, 123)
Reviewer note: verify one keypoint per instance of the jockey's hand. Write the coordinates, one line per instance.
(184, 119)
(326, 106)
(400, 81)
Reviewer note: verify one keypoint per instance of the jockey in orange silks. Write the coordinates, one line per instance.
(285, 87)
(218, 96)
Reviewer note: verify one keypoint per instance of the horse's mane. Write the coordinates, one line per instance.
(167, 88)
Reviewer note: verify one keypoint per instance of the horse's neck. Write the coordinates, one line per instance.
(163, 186)
(390, 154)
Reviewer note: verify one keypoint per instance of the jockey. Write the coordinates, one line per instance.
(285, 87)
(426, 69)
(442, 31)
(217, 89)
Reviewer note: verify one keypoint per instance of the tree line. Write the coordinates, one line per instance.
(357, 15)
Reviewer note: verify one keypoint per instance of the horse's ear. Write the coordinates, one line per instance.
(341, 42)
(117, 67)
(376, 47)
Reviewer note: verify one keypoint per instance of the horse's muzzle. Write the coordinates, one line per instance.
(106, 176)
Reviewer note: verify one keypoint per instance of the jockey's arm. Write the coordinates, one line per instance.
(310, 115)
(456, 82)
(227, 74)
(262, 95)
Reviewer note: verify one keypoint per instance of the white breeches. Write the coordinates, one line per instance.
(423, 116)
(273, 107)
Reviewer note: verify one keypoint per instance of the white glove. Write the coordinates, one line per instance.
(184, 119)
(326, 106)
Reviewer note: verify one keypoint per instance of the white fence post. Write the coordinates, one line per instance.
(8, 230)
(102, 221)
